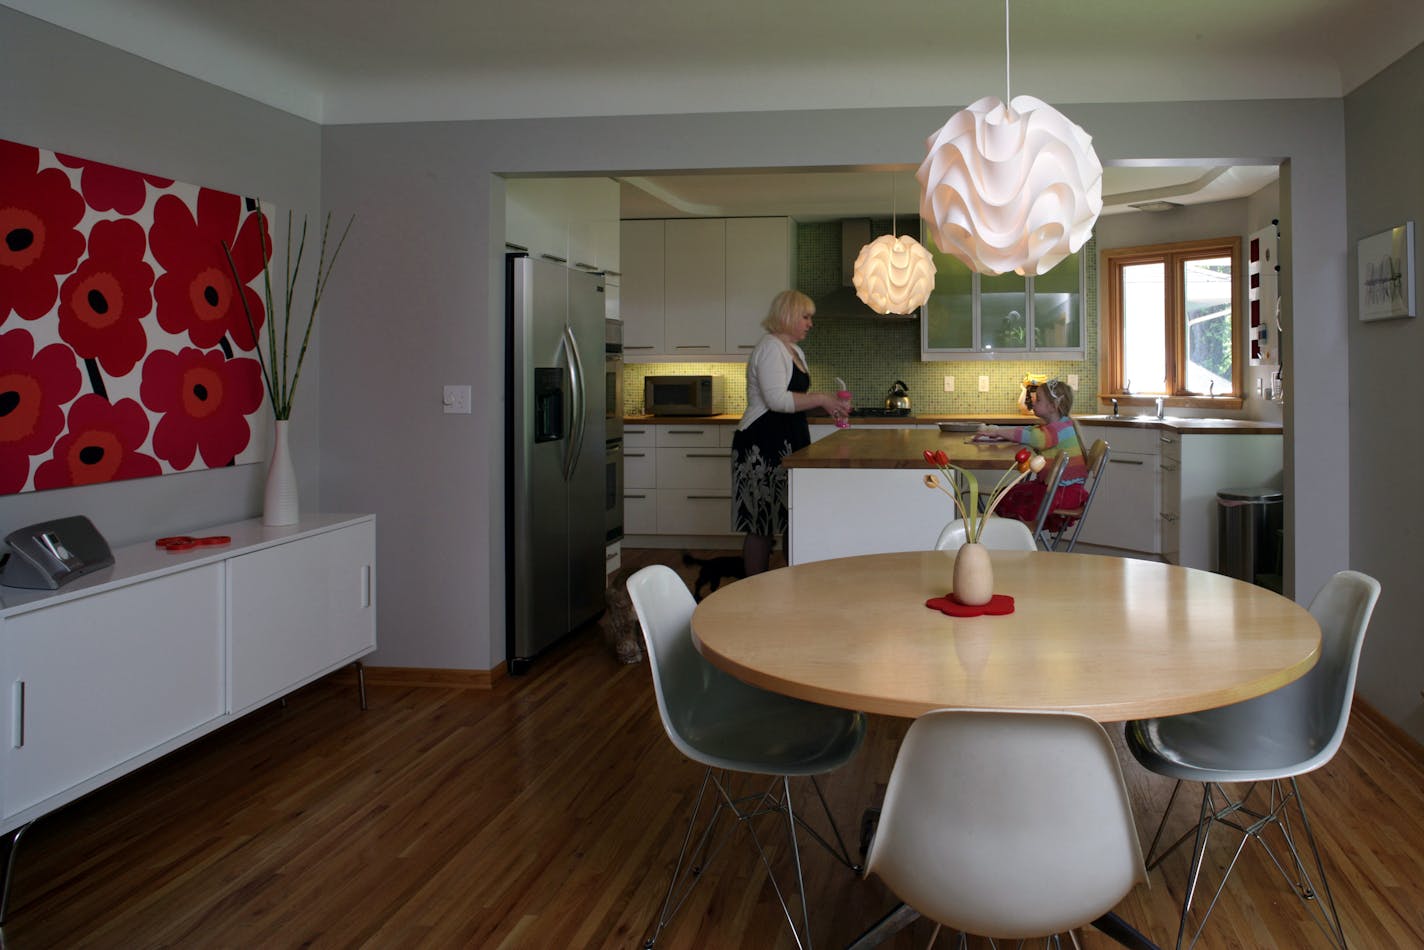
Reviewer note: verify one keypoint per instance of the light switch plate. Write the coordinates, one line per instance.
(1073, 381)
(457, 399)
(949, 384)
(983, 384)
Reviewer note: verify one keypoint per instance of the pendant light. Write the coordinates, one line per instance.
(893, 274)
(1013, 187)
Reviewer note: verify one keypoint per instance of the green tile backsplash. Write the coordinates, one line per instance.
(871, 353)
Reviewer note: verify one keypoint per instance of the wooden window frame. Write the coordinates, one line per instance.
(1172, 257)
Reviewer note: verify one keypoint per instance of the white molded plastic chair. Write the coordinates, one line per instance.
(1054, 523)
(727, 725)
(1272, 738)
(1007, 824)
(1002, 534)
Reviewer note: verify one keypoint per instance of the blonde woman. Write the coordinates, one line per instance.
(774, 426)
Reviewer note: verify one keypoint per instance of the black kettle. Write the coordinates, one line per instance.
(898, 398)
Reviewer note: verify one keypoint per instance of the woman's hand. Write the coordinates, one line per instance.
(834, 405)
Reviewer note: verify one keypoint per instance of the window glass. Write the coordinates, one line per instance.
(949, 313)
(1057, 306)
(1003, 304)
(1144, 327)
(1207, 287)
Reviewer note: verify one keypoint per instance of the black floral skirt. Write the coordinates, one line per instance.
(758, 480)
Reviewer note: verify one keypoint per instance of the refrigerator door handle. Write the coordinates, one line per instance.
(579, 398)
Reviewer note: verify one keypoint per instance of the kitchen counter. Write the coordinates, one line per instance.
(1185, 425)
(882, 448)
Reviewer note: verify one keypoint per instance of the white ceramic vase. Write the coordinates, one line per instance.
(279, 502)
(973, 575)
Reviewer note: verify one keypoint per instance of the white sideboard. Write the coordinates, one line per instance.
(126, 664)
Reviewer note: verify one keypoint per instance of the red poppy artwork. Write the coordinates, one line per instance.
(125, 348)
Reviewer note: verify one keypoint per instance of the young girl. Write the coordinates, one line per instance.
(1051, 401)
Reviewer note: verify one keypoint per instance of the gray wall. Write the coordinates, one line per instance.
(1386, 188)
(423, 308)
(69, 94)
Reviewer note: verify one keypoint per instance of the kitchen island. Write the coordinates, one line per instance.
(862, 491)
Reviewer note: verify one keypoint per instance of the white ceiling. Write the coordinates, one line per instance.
(344, 61)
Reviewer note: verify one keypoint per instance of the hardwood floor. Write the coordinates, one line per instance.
(547, 812)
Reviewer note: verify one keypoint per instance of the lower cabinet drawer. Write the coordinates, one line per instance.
(693, 512)
(640, 511)
(694, 469)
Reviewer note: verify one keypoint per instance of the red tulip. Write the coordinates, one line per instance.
(941, 457)
(1022, 455)
(930, 456)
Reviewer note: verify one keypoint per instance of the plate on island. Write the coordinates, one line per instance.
(959, 427)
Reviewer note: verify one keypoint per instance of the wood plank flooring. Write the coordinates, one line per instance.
(547, 813)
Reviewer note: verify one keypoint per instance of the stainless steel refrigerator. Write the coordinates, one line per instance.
(554, 453)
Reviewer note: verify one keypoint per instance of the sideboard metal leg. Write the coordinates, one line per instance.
(361, 683)
(8, 847)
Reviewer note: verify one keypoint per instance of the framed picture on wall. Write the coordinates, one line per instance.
(1386, 274)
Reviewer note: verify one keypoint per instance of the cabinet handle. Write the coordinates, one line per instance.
(365, 585)
(17, 715)
(692, 346)
(634, 455)
(582, 266)
(1127, 461)
(555, 258)
(627, 495)
(1167, 439)
(687, 432)
(639, 346)
(709, 497)
(746, 346)
(709, 455)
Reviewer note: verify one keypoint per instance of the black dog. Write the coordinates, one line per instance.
(711, 571)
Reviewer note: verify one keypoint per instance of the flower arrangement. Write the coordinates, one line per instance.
(1025, 462)
(282, 387)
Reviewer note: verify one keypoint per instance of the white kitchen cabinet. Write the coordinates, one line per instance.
(1126, 511)
(642, 289)
(96, 682)
(1209, 463)
(570, 219)
(683, 485)
(698, 288)
(128, 663)
(298, 611)
(759, 266)
(695, 296)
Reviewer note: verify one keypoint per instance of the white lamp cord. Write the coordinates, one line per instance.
(1008, 88)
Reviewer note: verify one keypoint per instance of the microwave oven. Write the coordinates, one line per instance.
(682, 395)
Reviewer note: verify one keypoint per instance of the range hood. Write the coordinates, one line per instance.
(842, 302)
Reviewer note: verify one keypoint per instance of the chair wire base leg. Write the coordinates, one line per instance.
(8, 846)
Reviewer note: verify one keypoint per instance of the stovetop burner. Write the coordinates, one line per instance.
(879, 411)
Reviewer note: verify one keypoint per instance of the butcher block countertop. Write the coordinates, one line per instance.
(879, 447)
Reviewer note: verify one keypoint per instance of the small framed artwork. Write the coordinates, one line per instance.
(1386, 274)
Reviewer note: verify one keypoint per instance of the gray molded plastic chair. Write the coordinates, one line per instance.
(1273, 738)
(727, 725)
(1053, 524)
(1007, 824)
(1002, 534)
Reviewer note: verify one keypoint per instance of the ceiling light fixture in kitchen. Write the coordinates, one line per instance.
(1010, 187)
(893, 274)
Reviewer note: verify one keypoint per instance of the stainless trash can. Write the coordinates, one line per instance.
(1248, 536)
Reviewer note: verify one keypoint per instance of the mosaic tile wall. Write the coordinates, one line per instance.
(872, 353)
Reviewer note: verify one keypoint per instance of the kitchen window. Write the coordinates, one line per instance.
(979, 316)
(1171, 322)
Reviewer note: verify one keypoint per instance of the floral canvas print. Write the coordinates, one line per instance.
(125, 351)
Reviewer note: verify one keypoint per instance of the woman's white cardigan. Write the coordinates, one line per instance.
(768, 374)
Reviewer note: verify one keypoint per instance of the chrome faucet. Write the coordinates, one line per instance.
(1159, 407)
(1114, 405)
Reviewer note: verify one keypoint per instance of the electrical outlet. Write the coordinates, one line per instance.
(983, 384)
(1073, 381)
(457, 399)
(949, 384)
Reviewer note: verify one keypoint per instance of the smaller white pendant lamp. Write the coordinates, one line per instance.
(894, 274)
(1010, 187)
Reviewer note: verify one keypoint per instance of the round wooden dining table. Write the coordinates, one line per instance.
(1112, 638)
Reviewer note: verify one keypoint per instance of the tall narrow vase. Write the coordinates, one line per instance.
(279, 502)
(973, 575)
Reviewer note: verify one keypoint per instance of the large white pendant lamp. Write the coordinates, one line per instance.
(1012, 187)
(894, 274)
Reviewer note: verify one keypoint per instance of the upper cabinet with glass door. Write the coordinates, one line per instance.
(975, 316)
